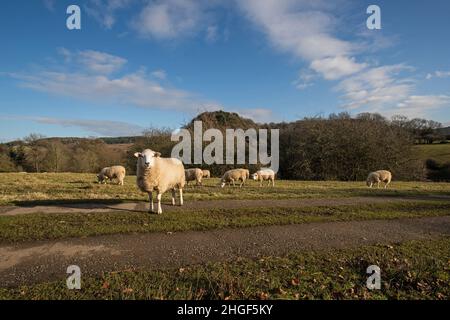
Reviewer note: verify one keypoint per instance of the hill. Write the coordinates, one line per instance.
(222, 120)
(443, 131)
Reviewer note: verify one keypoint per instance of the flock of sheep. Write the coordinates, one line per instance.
(157, 174)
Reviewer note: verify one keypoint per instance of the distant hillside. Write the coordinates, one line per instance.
(444, 131)
(435, 151)
(72, 140)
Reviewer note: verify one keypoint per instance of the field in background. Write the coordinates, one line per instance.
(436, 151)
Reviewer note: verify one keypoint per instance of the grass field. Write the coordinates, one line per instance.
(436, 151)
(52, 188)
(412, 270)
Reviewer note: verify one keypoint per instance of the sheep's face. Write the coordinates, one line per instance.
(147, 157)
(254, 176)
(368, 182)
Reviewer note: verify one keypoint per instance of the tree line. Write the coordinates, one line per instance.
(338, 147)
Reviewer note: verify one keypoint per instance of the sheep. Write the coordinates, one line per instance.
(206, 174)
(377, 177)
(194, 174)
(234, 175)
(154, 173)
(264, 174)
(114, 172)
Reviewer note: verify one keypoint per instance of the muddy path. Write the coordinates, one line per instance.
(29, 263)
(206, 204)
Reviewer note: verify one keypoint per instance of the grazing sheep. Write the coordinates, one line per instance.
(194, 174)
(264, 174)
(377, 177)
(154, 173)
(114, 172)
(206, 174)
(234, 175)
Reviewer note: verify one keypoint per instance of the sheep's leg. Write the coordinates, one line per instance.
(150, 198)
(173, 196)
(378, 185)
(386, 184)
(158, 197)
(273, 182)
(181, 197)
(232, 180)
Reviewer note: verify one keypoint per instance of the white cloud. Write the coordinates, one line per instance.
(376, 88)
(305, 29)
(336, 67)
(438, 74)
(100, 62)
(94, 61)
(100, 127)
(95, 81)
(260, 115)
(170, 19)
(418, 106)
(304, 80)
(104, 11)
(159, 74)
(384, 90)
(297, 27)
(211, 33)
(49, 4)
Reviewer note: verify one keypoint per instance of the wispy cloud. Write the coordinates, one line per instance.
(211, 33)
(104, 11)
(159, 74)
(96, 81)
(95, 127)
(438, 74)
(49, 4)
(94, 61)
(415, 106)
(170, 19)
(261, 115)
(98, 127)
(305, 29)
(375, 88)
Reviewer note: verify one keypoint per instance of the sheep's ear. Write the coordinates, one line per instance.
(157, 154)
(138, 154)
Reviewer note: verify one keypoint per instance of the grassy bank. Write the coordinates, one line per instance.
(412, 270)
(42, 226)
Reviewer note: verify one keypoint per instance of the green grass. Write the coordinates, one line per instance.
(411, 270)
(55, 188)
(40, 226)
(439, 152)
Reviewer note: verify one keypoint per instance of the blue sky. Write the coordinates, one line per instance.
(140, 63)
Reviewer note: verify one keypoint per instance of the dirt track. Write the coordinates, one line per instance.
(190, 205)
(35, 262)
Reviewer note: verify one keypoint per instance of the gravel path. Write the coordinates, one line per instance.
(47, 260)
